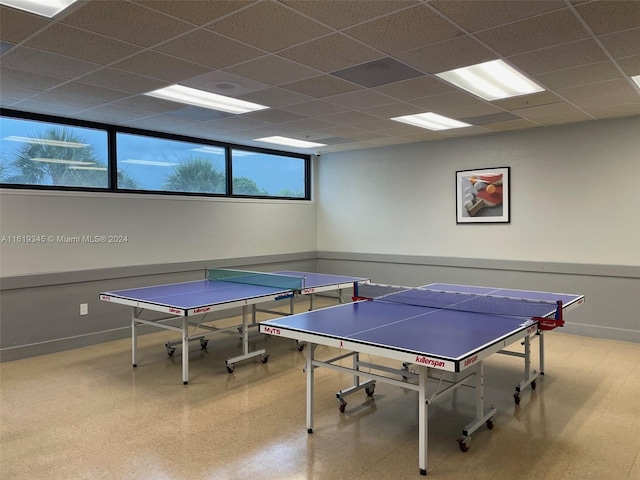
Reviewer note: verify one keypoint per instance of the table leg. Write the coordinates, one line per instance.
(527, 358)
(134, 339)
(310, 377)
(423, 420)
(185, 351)
(541, 347)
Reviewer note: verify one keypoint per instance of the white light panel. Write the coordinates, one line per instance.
(431, 121)
(200, 98)
(45, 8)
(290, 142)
(492, 80)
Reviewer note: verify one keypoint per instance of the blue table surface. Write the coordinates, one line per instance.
(198, 293)
(446, 334)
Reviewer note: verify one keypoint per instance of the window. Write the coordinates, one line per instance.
(50, 154)
(268, 175)
(149, 163)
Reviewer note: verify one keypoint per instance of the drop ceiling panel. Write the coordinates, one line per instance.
(608, 100)
(583, 75)
(209, 49)
(361, 99)
(316, 108)
(378, 72)
(276, 97)
(121, 80)
(343, 14)
(622, 44)
(80, 44)
(197, 12)
(608, 87)
(475, 16)
(330, 53)
(546, 30)
(448, 55)
(160, 66)
(321, 86)
(574, 54)
(16, 26)
(608, 17)
(416, 88)
(126, 21)
(225, 83)
(96, 60)
(405, 30)
(45, 63)
(273, 70)
(630, 65)
(257, 24)
(28, 80)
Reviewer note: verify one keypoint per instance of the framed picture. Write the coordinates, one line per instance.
(482, 196)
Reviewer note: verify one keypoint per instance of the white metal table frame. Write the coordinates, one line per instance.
(186, 317)
(464, 370)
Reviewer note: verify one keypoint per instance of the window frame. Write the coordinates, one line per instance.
(112, 161)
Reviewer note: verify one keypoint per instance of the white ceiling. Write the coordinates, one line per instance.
(95, 60)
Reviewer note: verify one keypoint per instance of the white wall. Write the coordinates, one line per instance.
(159, 229)
(575, 196)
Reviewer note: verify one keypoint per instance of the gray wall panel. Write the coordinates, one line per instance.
(36, 318)
(610, 310)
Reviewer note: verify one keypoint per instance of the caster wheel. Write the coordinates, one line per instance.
(369, 391)
(464, 446)
(516, 398)
(203, 344)
(342, 407)
(533, 385)
(490, 424)
(230, 368)
(264, 358)
(171, 351)
(300, 347)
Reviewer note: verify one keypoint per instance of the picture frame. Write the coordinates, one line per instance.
(483, 195)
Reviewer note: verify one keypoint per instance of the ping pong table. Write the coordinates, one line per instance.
(222, 289)
(443, 331)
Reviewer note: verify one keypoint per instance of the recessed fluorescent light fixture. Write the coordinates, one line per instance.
(431, 121)
(491, 80)
(636, 79)
(290, 142)
(200, 98)
(45, 8)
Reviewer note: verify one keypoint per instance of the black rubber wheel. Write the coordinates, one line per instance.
(463, 446)
(369, 391)
(490, 424)
(264, 358)
(342, 407)
(516, 398)
(230, 368)
(533, 385)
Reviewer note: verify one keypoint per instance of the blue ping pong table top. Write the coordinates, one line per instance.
(446, 334)
(201, 293)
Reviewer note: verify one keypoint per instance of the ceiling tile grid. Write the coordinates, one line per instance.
(334, 72)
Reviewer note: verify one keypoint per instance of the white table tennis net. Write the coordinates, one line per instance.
(466, 302)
